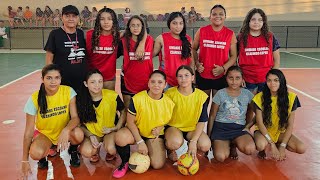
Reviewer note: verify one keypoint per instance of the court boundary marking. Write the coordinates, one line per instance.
(11, 82)
(301, 55)
(289, 86)
(303, 93)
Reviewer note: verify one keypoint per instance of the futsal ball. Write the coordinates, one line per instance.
(187, 165)
(139, 163)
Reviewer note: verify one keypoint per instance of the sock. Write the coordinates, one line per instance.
(124, 153)
(73, 148)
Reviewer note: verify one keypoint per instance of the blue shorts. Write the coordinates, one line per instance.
(253, 87)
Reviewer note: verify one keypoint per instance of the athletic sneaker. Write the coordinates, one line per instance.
(75, 159)
(121, 170)
(43, 163)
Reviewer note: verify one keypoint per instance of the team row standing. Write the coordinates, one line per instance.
(217, 44)
(66, 47)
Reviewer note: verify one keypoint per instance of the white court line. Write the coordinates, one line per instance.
(19, 79)
(302, 56)
(303, 93)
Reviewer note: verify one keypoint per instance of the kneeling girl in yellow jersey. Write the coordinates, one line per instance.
(98, 112)
(275, 114)
(51, 119)
(189, 115)
(148, 113)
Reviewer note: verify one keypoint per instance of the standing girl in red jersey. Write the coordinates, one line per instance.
(258, 50)
(218, 51)
(135, 73)
(102, 46)
(174, 47)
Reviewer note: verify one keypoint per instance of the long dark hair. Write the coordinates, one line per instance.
(86, 112)
(95, 42)
(186, 45)
(245, 29)
(282, 102)
(128, 34)
(42, 100)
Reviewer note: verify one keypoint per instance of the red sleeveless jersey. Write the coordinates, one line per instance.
(256, 59)
(103, 57)
(214, 49)
(171, 59)
(136, 72)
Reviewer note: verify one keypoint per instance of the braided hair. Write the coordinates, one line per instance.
(95, 42)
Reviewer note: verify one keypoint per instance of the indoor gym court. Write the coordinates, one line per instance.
(20, 76)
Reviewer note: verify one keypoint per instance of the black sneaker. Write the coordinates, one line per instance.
(43, 163)
(75, 160)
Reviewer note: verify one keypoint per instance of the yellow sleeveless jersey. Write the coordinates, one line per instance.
(274, 129)
(187, 109)
(151, 113)
(105, 113)
(57, 117)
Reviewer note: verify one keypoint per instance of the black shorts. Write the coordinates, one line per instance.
(227, 131)
(145, 138)
(207, 84)
(184, 134)
(124, 90)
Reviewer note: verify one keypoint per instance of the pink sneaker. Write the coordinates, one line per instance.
(121, 170)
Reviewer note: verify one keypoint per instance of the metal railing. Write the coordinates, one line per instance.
(288, 36)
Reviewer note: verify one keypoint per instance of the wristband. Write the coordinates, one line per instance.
(139, 142)
(25, 161)
(283, 145)
(268, 139)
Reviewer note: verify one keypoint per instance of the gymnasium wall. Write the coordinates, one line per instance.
(286, 10)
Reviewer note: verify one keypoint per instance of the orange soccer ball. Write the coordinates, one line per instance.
(187, 165)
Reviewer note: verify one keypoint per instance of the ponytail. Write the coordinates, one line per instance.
(186, 46)
(42, 100)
